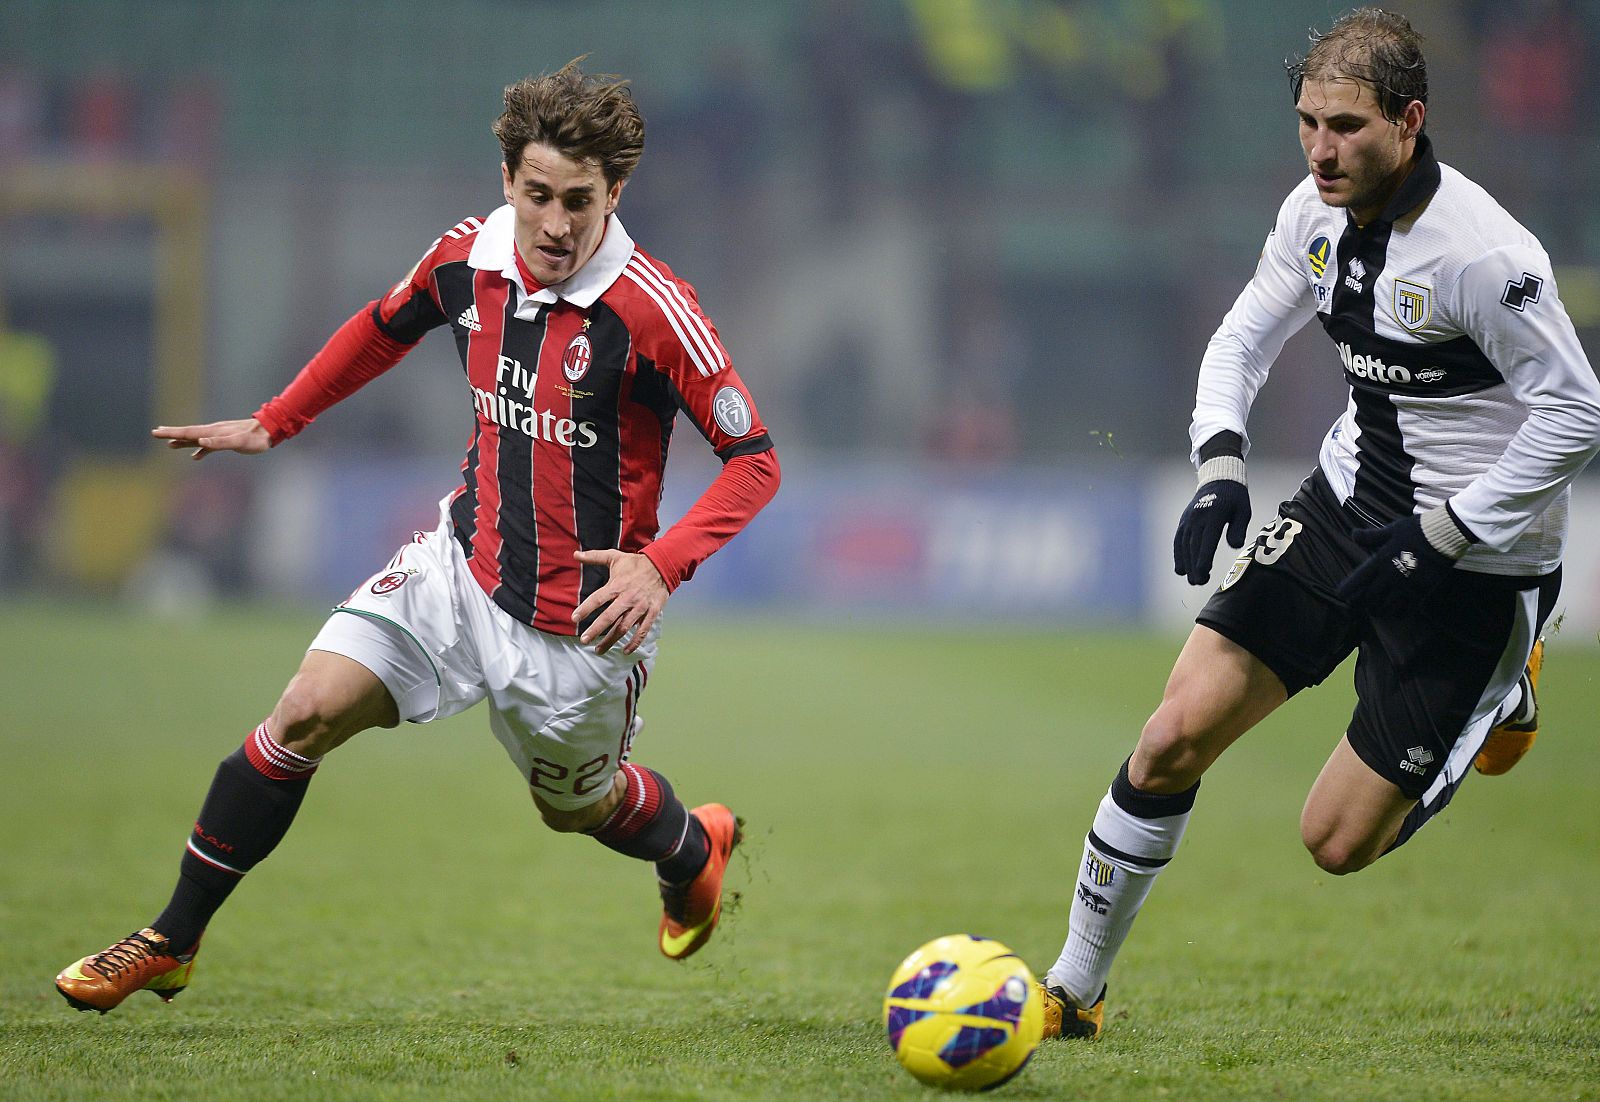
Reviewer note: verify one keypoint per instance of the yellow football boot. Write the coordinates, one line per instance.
(1508, 742)
(1063, 1017)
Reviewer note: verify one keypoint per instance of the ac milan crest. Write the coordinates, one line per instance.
(575, 362)
(390, 582)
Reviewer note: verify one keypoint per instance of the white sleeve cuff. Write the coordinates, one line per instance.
(1223, 467)
(1443, 533)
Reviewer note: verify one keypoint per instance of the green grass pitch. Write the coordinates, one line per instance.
(420, 936)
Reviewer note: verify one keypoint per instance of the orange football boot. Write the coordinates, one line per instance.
(689, 912)
(1063, 1017)
(1508, 742)
(139, 962)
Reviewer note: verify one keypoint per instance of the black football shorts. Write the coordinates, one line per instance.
(1427, 683)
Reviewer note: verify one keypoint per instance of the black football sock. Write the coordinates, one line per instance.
(685, 863)
(253, 799)
(652, 824)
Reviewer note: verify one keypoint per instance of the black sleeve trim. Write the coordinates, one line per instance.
(753, 446)
(1226, 442)
(411, 322)
(1465, 531)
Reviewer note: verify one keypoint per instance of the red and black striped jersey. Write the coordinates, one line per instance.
(574, 391)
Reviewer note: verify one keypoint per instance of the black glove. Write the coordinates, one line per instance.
(1410, 559)
(1220, 502)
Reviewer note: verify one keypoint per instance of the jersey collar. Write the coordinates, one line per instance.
(495, 250)
(1418, 187)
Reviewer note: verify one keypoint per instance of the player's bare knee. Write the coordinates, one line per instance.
(1169, 757)
(562, 822)
(1338, 862)
(307, 720)
(572, 820)
(1336, 854)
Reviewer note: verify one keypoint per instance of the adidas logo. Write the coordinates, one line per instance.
(469, 319)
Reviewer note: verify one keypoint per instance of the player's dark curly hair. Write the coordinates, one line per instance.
(587, 118)
(1375, 47)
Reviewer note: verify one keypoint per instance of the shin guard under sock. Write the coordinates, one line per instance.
(1135, 834)
(652, 824)
(253, 799)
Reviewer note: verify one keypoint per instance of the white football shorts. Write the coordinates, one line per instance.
(425, 627)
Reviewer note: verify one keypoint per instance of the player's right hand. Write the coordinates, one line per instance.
(246, 437)
(1218, 504)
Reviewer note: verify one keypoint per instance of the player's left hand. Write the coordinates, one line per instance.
(245, 436)
(1223, 503)
(630, 601)
(1403, 569)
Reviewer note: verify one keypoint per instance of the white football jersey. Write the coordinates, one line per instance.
(1467, 381)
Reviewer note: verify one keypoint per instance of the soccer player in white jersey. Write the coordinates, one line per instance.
(1429, 537)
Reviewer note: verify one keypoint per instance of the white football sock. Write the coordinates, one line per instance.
(1122, 856)
(1518, 707)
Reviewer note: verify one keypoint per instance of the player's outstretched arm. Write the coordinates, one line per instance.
(246, 437)
(630, 601)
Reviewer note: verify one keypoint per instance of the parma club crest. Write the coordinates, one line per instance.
(1240, 564)
(1413, 304)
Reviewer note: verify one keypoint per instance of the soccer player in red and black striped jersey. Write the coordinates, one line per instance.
(541, 588)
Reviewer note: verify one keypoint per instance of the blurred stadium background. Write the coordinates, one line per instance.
(966, 252)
